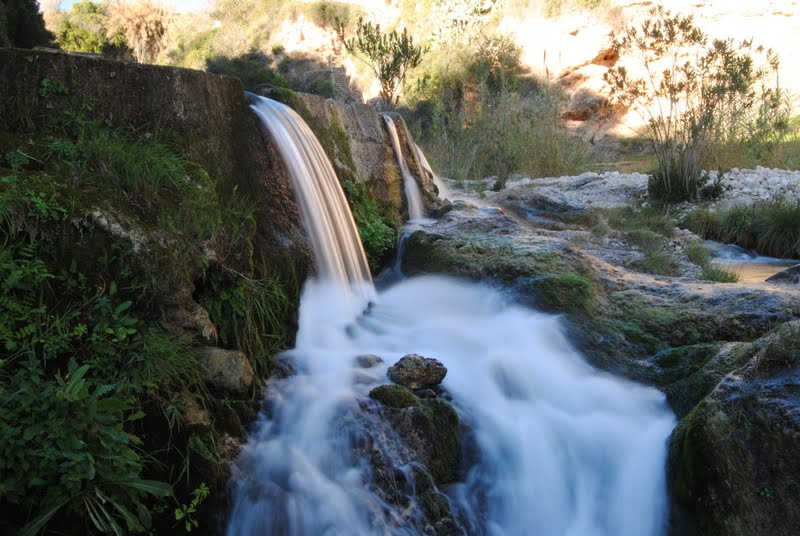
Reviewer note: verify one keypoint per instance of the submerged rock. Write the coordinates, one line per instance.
(734, 467)
(790, 276)
(227, 370)
(417, 372)
(368, 360)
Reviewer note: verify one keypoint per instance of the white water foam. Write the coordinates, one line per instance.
(563, 449)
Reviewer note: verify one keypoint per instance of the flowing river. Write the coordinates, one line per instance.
(562, 448)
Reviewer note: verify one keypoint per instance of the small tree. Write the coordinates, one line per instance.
(692, 96)
(390, 56)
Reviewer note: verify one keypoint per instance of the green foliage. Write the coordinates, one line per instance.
(390, 56)
(249, 314)
(772, 228)
(21, 25)
(657, 261)
(82, 354)
(17, 160)
(250, 68)
(632, 219)
(568, 291)
(185, 513)
(143, 170)
(720, 275)
(85, 29)
(377, 236)
(48, 88)
(698, 254)
(64, 437)
(693, 107)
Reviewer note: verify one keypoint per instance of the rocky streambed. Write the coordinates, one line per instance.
(726, 355)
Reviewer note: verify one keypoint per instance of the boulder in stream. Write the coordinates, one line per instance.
(790, 276)
(734, 468)
(417, 372)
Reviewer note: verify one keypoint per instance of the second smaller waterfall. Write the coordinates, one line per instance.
(416, 210)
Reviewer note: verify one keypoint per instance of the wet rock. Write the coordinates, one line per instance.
(734, 468)
(394, 396)
(368, 360)
(790, 276)
(227, 370)
(417, 372)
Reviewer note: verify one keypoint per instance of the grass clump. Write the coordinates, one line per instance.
(718, 274)
(700, 256)
(771, 228)
(569, 291)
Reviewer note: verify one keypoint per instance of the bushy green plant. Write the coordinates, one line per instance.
(692, 105)
(85, 29)
(389, 55)
(63, 430)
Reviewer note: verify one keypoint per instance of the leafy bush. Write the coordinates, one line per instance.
(63, 434)
(718, 96)
(389, 55)
(85, 28)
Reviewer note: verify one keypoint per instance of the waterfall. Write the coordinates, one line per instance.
(338, 252)
(444, 191)
(416, 210)
(562, 448)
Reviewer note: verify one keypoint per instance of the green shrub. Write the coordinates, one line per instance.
(698, 254)
(718, 96)
(389, 55)
(249, 315)
(64, 434)
(703, 222)
(145, 170)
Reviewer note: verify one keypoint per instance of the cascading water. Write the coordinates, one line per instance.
(339, 254)
(416, 210)
(444, 191)
(563, 449)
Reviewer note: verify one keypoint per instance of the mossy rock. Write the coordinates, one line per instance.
(394, 396)
(437, 422)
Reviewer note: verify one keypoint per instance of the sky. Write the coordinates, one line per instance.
(180, 5)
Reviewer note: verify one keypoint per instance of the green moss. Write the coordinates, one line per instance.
(569, 292)
(394, 396)
(438, 423)
(435, 504)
